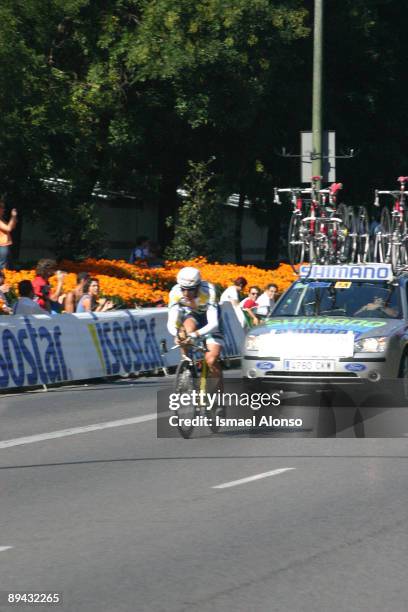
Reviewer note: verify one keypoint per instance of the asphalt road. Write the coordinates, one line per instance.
(117, 520)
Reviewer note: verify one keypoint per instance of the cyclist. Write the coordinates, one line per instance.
(193, 307)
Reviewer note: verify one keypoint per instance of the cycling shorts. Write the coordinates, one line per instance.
(200, 319)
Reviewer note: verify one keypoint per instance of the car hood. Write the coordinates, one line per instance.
(331, 325)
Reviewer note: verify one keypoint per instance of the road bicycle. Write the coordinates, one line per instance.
(362, 251)
(336, 240)
(391, 237)
(320, 231)
(300, 248)
(192, 374)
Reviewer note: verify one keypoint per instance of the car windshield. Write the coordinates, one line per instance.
(341, 299)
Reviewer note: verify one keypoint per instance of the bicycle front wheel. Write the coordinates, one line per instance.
(382, 239)
(363, 235)
(296, 245)
(347, 240)
(186, 382)
(398, 243)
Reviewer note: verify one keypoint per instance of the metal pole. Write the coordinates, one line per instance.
(317, 121)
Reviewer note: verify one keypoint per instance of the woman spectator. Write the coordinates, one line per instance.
(4, 289)
(90, 301)
(5, 234)
(47, 297)
(232, 293)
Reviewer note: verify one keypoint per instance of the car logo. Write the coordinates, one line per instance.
(355, 367)
(265, 365)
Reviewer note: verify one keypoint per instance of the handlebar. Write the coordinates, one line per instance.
(197, 343)
(391, 192)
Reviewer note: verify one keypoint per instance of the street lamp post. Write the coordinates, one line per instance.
(317, 121)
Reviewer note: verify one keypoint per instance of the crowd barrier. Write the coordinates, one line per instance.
(43, 350)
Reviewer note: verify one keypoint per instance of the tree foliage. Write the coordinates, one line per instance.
(197, 228)
(123, 93)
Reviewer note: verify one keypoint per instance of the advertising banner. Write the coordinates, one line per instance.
(43, 350)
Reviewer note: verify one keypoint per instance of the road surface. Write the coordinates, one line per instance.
(96, 507)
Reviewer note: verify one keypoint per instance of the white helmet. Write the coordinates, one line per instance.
(189, 278)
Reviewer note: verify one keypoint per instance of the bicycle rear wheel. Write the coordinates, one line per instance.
(296, 245)
(363, 235)
(186, 382)
(347, 240)
(217, 412)
(383, 242)
(398, 243)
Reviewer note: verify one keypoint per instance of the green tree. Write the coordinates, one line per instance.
(231, 67)
(197, 230)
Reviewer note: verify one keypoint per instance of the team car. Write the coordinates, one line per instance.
(335, 324)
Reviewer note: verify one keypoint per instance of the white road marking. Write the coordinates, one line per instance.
(234, 483)
(73, 431)
(3, 548)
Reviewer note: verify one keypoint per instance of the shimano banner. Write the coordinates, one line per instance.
(42, 350)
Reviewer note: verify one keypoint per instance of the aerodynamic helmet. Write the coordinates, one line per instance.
(189, 278)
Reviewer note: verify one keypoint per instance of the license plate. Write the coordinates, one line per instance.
(309, 365)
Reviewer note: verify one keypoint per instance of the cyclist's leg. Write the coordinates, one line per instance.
(188, 326)
(215, 381)
(212, 357)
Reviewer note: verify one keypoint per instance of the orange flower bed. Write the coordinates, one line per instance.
(138, 284)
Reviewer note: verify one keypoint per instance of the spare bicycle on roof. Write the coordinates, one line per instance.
(321, 230)
(390, 245)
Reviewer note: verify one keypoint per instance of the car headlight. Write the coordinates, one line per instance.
(252, 343)
(370, 345)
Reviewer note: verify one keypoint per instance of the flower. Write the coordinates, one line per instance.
(129, 283)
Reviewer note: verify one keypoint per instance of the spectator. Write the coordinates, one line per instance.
(232, 293)
(4, 289)
(90, 301)
(155, 259)
(47, 297)
(72, 297)
(249, 306)
(25, 304)
(141, 250)
(5, 234)
(266, 301)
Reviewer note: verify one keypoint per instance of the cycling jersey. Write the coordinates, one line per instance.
(203, 309)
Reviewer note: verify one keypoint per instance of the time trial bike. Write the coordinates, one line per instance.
(192, 374)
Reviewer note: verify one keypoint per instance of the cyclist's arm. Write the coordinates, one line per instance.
(212, 321)
(173, 320)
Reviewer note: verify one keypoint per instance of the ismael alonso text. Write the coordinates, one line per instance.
(203, 421)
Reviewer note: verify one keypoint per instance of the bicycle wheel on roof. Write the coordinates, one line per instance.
(296, 244)
(398, 242)
(347, 239)
(363, 235)
(382, 238)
